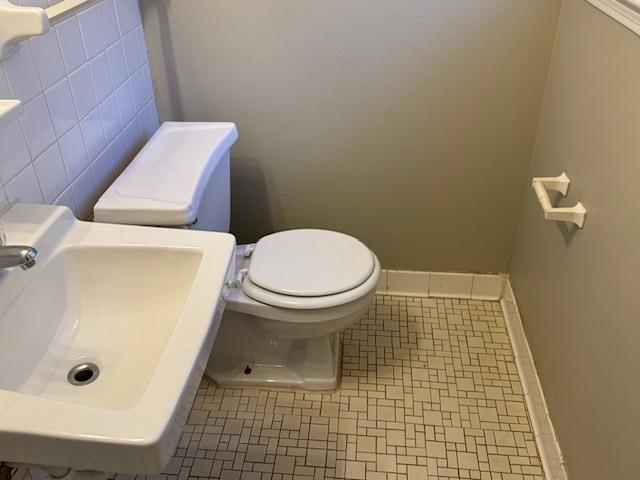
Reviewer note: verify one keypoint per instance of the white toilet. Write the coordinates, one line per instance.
(289, 295)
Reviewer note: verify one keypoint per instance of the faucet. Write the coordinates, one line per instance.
(16, 255)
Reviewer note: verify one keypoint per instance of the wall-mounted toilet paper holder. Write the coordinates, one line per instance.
(575, 214)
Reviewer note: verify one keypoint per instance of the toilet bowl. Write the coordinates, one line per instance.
(288, 296)
(270, 338)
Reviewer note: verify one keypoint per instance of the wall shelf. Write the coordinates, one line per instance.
(10, 110)
(20, 23)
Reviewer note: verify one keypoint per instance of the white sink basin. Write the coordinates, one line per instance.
(142, 304)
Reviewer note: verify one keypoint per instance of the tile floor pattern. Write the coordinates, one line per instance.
(429, 390)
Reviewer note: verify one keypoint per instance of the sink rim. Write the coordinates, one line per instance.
(27, 419)
(85, 328)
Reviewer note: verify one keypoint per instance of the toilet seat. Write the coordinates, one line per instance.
(310, 303)
(310, 269)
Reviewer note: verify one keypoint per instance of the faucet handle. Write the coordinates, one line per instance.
(3, 236)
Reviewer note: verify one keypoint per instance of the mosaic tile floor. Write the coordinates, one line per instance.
(429, 390)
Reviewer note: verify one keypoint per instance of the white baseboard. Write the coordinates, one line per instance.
(546, 439)
(444, 285)
(496, 288)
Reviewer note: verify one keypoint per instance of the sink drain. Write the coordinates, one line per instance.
(83, 374)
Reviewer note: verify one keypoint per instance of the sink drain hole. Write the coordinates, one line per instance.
(83, 374)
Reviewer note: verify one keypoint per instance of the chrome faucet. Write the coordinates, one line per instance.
(16, 255)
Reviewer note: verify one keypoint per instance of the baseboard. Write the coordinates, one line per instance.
(444, 285)
(546, 439)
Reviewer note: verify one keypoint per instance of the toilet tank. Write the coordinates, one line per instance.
(179, 179)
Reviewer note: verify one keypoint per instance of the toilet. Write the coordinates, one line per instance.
(288, 296)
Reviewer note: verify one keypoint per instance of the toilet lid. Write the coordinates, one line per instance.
(310, 263)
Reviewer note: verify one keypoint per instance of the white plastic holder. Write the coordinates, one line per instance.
(19, 23)
(575, 214)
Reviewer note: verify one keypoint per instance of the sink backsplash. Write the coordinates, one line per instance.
(89, 106)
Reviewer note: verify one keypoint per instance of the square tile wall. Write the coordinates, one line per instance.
(89, 107)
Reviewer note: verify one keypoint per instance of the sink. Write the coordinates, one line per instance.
(115, 307)
(135, 309)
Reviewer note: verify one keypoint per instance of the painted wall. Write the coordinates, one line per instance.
(407, 124)
(88, 107)
(578, 290)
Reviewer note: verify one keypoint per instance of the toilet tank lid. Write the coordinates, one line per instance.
(165, 182)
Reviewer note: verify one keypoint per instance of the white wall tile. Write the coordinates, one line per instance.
(142, 45)
(36, 125)
(48, 57)
(102, 170)
(90, 31)
(117, 64)
(24, 187)
(50, 173)
(128, 15)
(15, 155)
(74, 153)
(84, 96)
(148, 120)
(456, 285)
(60, 103)
(108, 22)
(126, 105)
(110, 117)
(120, 154)
(133, 136)
(148, 81)
(139, 89)
(101, 77)
(67, 199)
(408, 283)
(71, 43)
(85, 193)
(131, 52)
(74, 104)
(93, 134)
(22, 73)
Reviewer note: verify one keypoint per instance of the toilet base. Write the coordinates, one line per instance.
(245, 355)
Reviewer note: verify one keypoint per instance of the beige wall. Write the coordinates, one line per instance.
(407, 124)
(578, 291)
